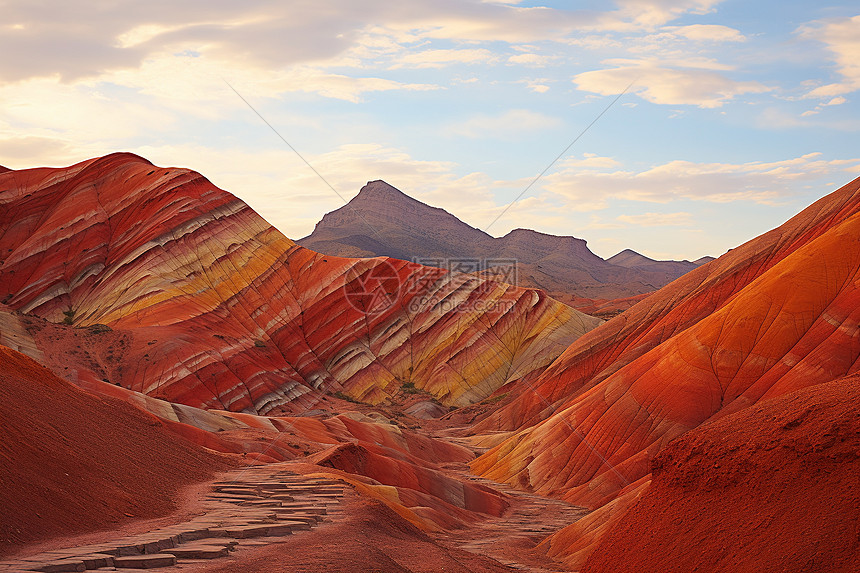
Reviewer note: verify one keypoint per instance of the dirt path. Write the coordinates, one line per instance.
(511, 539)
(254, 518)
(244, 508)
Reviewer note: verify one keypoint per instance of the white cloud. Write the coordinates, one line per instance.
(80, 40)
(774, 118)
(442, 58)
(704, 88)
(338, 86)
(842, 39)
(759, 182)
(512, 123)
(528, 59)
(706, 33)
(44, 106)
(18, 152)
(539, 85)
(839, 100)
(658, 219)
(654, 13)
(594, 42)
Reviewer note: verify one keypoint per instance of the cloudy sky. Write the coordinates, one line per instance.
(738, 114)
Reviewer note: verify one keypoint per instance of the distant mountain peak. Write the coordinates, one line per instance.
(533, 233)
(380, 189)
(381, 220)
(4, 169)
(378, 193)
(384, 199)
(629, 258)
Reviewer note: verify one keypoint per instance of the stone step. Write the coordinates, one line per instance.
(297, 524)
(256, 507)
(262, 503)
(230, 544)
(311, 519)
(258, 530)
(198, 551)
(300, 509)
(145, 561)
(269, 486)
(145, 544)
(60, 566)
(233, 497)
(237, 488)
(97, 560)
(188, 532)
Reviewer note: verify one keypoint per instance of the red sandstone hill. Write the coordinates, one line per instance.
(774, 487)
(383, 221)
(206, 304)
(379, 455)
(775, 315)
(72, 462)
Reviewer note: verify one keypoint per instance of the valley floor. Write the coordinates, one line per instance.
(283, 517)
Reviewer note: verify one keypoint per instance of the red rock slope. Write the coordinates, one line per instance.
(212, 307)
(774, 487)
(669, 311)
(378, 455)
(72, 462)
(775, 315)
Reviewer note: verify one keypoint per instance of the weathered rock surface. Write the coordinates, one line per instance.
(210, 306)
(404, 474)
(773, 316)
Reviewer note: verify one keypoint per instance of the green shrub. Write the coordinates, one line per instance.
(409, 388)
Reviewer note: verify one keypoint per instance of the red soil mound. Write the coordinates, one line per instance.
(774, 487)
(72, 462)
(417, 482)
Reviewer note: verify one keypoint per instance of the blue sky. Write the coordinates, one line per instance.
(739, 114)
